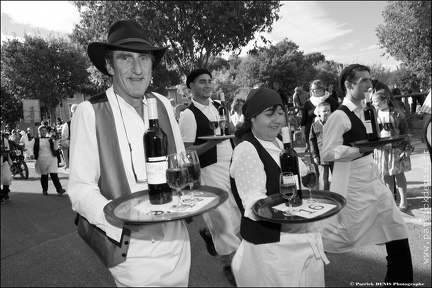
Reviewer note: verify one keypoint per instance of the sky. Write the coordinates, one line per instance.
(343, 31)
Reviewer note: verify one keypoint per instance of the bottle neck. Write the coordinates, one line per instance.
(153, 122)
(286, 137)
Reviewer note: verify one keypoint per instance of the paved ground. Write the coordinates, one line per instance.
(40, 247)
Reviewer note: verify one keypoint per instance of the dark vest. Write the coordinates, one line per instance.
(358, 130)
(112, 182)
(203, 129)
(260, 232)
(37, 145)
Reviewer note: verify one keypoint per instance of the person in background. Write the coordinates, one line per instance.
(414, 88)
(27, 143)
(223, 222)
(236, 112)
(399, 103)
(5, 162)
(45, 152)
(332, 92)
(107, 161)
(15, 137)
(319, 95)
(378, 85)
(393, 160)
(270, 254)
(426, 127)
(65, 135)
(282, 94)
(370, 216)
(299, 98)
(322, 111)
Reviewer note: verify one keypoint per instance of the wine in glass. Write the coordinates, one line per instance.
(388, 124)
(214, 125)
(288, 190)
(309, 179)
(223, 121)
(194, 175)
(177, 177)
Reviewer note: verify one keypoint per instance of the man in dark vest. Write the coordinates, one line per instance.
(370, 216)
(107, 161)
(223, 223)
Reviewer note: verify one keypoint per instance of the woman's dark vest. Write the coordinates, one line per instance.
(203, 129)
(37, 145)
(260, 232)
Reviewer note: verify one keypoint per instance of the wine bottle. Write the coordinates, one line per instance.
(371, 122)
(156, 150)
(289, 163)
(224, 116)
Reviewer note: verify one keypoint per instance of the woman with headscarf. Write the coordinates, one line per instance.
(270, 254)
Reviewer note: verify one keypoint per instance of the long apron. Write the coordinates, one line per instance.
(370, 215)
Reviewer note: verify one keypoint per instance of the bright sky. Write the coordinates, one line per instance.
(342, 31)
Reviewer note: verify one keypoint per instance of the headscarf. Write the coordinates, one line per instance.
(258, 100)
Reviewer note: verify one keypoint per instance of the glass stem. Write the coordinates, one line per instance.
(179, 197)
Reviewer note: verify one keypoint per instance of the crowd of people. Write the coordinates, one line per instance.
(253, 252)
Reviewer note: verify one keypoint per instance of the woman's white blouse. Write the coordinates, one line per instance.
(248, 172)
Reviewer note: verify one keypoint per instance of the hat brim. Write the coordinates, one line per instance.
(97, 51)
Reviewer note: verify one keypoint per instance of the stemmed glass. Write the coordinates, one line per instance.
(309, 179)
(214, 125)
(288, 190)
(194, 173)
(223, 121)
(177, 177)
(388, 124)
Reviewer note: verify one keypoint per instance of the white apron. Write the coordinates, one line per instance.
(223, 221)
(46, 162)
(296, 261)
(155, 258)
(370, 215)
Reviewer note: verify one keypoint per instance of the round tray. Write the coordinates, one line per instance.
(263, 208)
(122, 208)
(381, 141)
(212, 137)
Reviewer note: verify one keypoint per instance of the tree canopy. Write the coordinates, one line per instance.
(49, 70)
(406, 34)
(193, 31)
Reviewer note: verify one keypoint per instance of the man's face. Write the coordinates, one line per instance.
(358, 87)
(43, 132)
(276, 86)
(131, 72)
(202, 87)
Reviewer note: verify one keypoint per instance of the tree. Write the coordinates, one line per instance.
(406, 34)
(10, 108)
(193, 30)
(50, 70)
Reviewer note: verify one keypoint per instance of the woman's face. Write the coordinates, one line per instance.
(267, 124)
(316, 91)
(239, 108)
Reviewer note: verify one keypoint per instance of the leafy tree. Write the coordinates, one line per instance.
(10, 108)
(194, 31)
(50, 70)
(406, 34)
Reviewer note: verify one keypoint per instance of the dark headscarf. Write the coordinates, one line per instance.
(258, 100)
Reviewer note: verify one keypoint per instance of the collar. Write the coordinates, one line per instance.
(351, 106)
(199, 105)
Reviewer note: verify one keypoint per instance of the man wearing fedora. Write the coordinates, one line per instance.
(107, 161)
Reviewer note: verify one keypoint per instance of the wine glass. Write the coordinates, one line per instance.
(214, 125)
(223, 121)
(194, 175)
(309, 179)
(177, 177)
(288, 190)
(388, 124)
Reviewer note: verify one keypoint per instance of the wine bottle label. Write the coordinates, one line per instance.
(297, 181)
(156, 170)
(286, 135)
(368, 125)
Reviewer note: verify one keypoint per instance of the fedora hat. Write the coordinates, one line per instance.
(124, 35)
